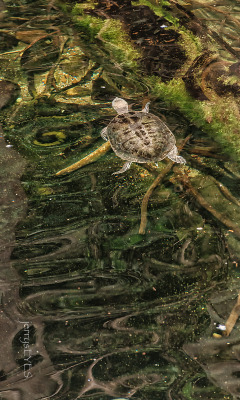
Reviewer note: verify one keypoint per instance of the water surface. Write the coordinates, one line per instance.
(90, 307)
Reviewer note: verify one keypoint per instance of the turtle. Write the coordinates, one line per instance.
(139, 136)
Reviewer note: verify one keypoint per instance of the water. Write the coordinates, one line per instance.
(91, 307)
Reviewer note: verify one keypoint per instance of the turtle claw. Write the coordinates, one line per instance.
(124, 168)
(180, 160)
(173, 155)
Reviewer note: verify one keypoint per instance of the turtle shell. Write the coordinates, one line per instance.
(140, 137)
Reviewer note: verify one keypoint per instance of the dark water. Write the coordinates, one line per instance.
(90, 307)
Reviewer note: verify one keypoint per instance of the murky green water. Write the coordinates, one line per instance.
(92, 305)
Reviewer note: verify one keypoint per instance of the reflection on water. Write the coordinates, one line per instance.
(91, 308)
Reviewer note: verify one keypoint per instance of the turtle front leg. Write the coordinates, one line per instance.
(124, 168)
(173, 155)
(103, 133)
(146, 107)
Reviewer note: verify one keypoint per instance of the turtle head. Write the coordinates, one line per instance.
(120, 105)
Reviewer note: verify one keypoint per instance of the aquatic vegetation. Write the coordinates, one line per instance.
(108, 303)
(217, 119)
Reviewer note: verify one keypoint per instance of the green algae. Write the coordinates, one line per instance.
(217, 119)
(158, 8)
(88, 25)
(79, 8)
(112, 35)
(119, 44)
(50, 138)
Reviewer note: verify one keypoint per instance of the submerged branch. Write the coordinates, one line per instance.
(227, 194)
(200, 199)
(100, 151)
(233, 317)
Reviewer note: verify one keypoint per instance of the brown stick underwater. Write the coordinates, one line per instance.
(233, 317)
(86, 160)
(200, 199)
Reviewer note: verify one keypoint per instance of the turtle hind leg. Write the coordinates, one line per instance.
(173, 155)
(124, 168)
(103, 133)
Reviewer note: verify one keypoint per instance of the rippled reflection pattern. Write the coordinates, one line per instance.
(91, 308)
